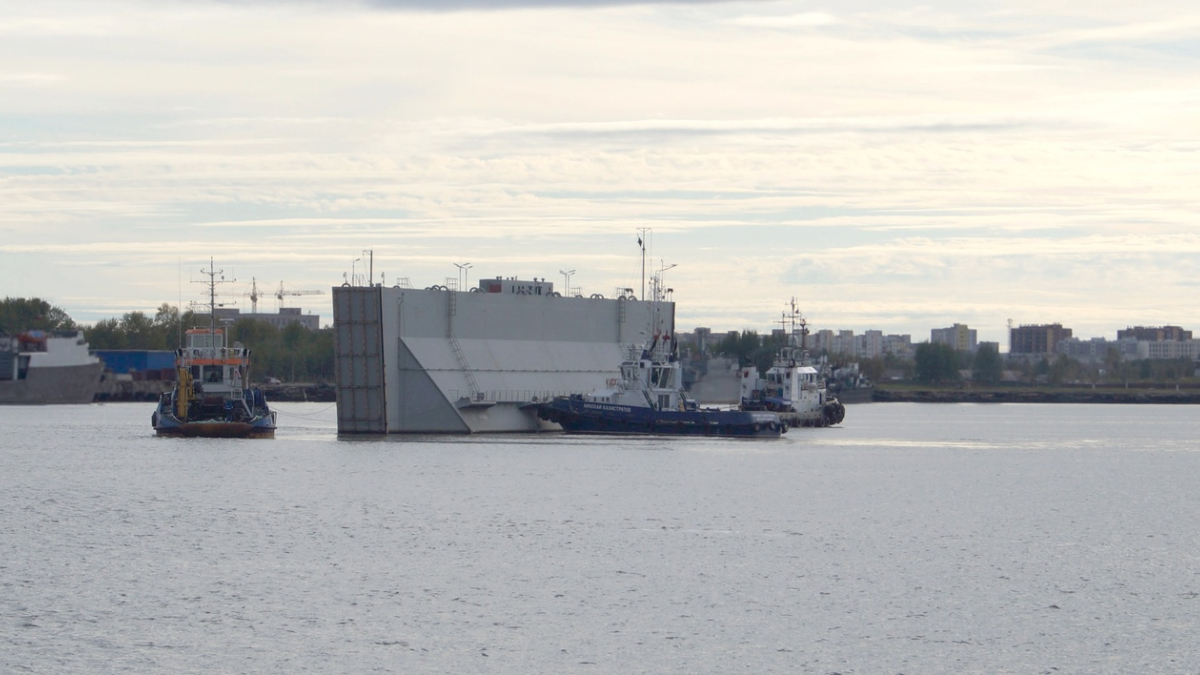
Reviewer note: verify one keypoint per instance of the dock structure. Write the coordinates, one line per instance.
(438, 360)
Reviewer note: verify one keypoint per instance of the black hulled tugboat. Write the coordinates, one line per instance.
(648, 398)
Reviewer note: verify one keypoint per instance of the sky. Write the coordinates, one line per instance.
(891, 166)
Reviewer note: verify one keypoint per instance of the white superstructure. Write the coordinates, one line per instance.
(437, 360)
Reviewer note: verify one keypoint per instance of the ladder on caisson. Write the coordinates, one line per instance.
(472, 385)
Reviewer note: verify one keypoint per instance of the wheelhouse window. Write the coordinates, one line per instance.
(205, 340)
(662, 378)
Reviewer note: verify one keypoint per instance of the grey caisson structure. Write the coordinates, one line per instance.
(438, 360)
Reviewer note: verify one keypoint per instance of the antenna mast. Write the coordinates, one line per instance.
(798, 318)
(642, 243)
(212, 273)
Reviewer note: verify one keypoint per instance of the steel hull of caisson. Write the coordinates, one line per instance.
(53, 384)
(584, 417)
(440, 361)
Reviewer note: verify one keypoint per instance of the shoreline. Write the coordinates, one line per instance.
(1153, 396)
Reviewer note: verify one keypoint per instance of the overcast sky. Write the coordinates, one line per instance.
(891, 166)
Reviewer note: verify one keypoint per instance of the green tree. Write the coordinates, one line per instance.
(1042, 367)
(1112, 361)
(751, 349)
(252, 331)
(320, 359)
(1145, 369)
(936, 363)
(262, 339)
(767, 351)
(744, 347)
(872, 367)
(139, 332)
(294, 353)
(168, 325)
(988, 366)
(106, 334)
(1063, 369)
(20, 314)
(292, 336)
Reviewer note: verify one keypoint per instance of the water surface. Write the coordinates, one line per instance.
(912, 539)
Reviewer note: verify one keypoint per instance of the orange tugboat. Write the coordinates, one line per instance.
(211, 398)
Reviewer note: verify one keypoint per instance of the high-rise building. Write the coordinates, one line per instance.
(958, 336)
(1155, 333)
(1036, 339)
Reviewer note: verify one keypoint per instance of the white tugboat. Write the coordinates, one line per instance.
(791, 387)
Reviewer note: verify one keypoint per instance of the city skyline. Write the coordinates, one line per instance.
(894, 167)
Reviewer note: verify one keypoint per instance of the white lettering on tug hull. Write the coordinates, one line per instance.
(615, 408)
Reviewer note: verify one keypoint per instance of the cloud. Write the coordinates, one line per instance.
(29, 78)
(664, 128)
(41, 25)
(892, 169)
(444, 5)
(803, 20)
(484, 5)
(1136, 32)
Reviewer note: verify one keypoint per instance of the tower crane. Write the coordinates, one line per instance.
(281, 292)
(253, 295)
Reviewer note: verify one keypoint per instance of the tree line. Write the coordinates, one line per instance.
(941, 364)
(22, 314)
(292, 354)
(751, 349)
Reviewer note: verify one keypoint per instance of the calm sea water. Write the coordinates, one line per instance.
(913, 539)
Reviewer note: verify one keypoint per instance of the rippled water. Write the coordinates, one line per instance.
(913, 539)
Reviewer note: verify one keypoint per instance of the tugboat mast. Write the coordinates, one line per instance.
(642, 243)
(212, 273)
(797, 318)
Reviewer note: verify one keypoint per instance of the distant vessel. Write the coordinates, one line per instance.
(792, 389)
(38, 367)
(791, 386)
(211, 398)
(848, 395)
(648, 398)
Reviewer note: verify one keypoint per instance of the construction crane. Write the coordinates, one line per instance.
(253, 295)
(281, 292)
